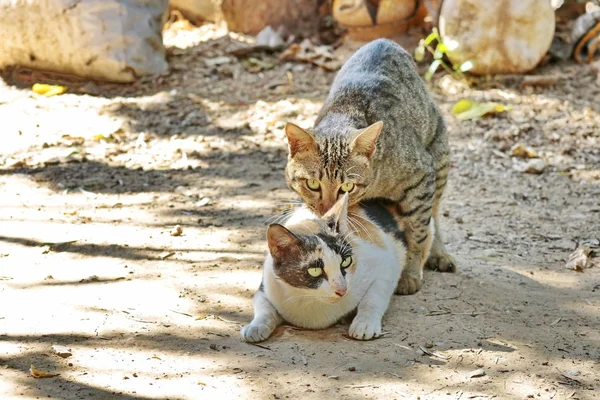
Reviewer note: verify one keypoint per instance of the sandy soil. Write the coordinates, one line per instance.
(91, 187)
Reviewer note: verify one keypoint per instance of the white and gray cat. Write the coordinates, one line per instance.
(321, 269)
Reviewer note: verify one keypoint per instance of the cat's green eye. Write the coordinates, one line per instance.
(315, 272)
(347, 187)
(347, 261)
(313, 184)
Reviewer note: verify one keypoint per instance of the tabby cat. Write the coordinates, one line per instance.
(320, 269)
(378, 135)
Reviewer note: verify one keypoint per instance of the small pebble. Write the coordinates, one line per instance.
(62, 351)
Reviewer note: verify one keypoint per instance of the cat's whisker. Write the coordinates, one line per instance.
(350, 169)
(288, 202)
(352, 222)
(278, 218)
(355, 214)
(345, 237)
(275, 217)
(364, 229)
(353, 227)
(303, 296)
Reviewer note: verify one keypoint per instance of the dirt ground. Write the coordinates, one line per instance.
(92, 187)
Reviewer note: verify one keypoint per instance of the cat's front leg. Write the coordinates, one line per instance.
(266, 319)
(366, 325)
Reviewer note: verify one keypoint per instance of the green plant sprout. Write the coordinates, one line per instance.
(438, 56)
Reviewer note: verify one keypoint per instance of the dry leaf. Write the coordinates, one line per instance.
(556, 321)
(177, 231)
(468, 109)
(580, 258)
(433, 353)
(40, 374)
(477, 373)
(204, 316)
(321, 56)
(522, 151)
(254, 65)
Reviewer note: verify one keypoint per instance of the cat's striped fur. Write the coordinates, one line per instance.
(379, 131)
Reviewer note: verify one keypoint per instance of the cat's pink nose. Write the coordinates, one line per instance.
(340, 292)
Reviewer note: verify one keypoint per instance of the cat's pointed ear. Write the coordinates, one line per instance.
(281, 241)
(365, 141)
(298, 139)
(337, 216)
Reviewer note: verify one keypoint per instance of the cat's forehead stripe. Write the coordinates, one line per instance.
(337, 245)
(333, 154)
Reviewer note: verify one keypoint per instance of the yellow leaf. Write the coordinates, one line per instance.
(468, 109)
(40, 374)
(502, 108)
(203, 316)
(99, 137)
(201, 383)
(461, 106)
(48, 90)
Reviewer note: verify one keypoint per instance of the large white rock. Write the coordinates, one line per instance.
(497, 36)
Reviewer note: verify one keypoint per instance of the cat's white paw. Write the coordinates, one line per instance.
(364, 329)
(253, 333)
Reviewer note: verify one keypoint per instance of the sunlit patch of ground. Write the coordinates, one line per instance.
(92, 188)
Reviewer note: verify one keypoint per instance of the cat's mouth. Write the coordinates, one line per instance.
(333, 300)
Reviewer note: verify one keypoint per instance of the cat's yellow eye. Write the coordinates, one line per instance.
(313, 184)
(315, 272)
(347, 187)
(347, 261)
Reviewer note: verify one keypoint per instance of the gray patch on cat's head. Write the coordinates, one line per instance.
(293, 267)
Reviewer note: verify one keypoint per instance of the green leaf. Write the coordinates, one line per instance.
(432, 36)
(431, 70)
